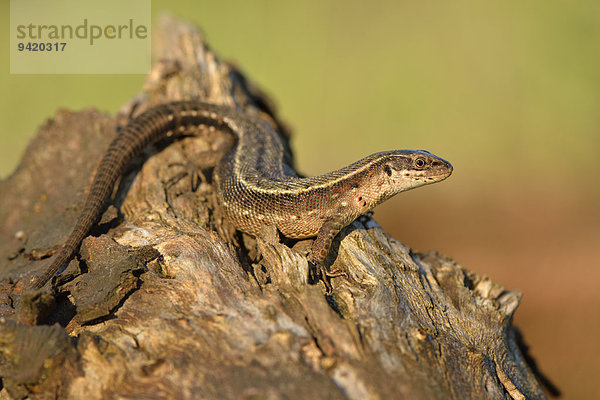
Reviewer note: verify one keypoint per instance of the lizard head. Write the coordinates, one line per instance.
(407, 169)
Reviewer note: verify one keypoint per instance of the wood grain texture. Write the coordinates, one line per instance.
(174, 304)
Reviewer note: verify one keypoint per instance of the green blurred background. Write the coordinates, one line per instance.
(508, 91)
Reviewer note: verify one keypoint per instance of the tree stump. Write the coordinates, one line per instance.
(166, 301)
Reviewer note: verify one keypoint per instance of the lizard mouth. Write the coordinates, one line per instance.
(440, 177)
(444, 172)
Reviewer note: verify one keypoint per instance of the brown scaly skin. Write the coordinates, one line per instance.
(255, 187)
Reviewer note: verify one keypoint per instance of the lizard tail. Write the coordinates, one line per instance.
(100, 191)
(145, 129)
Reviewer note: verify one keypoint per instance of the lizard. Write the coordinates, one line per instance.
(255, 184)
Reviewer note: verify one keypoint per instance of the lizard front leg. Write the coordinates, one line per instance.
(321, 247)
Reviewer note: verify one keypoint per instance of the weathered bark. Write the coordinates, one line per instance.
(173, 304)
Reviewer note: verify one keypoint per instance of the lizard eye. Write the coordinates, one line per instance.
(419, 162)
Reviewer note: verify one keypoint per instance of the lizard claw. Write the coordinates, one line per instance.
(325, 275)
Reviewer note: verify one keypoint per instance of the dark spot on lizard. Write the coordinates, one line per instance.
(388, 170)
(362, 202)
